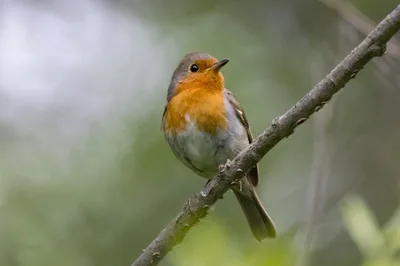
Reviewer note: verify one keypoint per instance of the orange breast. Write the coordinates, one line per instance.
(203, 107)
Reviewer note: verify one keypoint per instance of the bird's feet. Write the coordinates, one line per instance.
(222, 166)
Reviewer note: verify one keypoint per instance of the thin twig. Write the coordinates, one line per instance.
(363, 24)
(360, 21)
(282, 127)
(319, 174)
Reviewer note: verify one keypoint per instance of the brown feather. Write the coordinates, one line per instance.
(252, 174)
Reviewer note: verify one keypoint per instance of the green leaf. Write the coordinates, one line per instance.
(362, 226)
(392, 232)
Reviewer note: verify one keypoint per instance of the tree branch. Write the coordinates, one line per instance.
(283, 126)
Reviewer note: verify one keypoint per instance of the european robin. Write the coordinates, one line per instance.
(205, 127)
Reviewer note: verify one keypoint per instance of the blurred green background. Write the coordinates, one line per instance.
(86, 178)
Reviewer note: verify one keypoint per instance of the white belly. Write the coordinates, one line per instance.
(206, 152)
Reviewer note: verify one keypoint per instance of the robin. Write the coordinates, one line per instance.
(205, 127)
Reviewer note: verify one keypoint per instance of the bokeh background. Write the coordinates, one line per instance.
(86, 178)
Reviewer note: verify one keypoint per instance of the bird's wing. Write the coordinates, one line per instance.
(252, 174)
(163, 116)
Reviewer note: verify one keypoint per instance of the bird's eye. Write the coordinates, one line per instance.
(194, 68)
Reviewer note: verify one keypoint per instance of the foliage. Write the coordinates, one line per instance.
(378, 246)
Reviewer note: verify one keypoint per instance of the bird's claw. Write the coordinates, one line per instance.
(222, 166)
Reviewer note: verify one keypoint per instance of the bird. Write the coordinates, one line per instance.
(205, 127)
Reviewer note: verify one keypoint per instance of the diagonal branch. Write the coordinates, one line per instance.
(282, 127)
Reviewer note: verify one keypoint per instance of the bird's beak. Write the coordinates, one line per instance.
(217, 66)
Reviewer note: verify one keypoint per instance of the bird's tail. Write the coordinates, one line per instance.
(257, 217)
